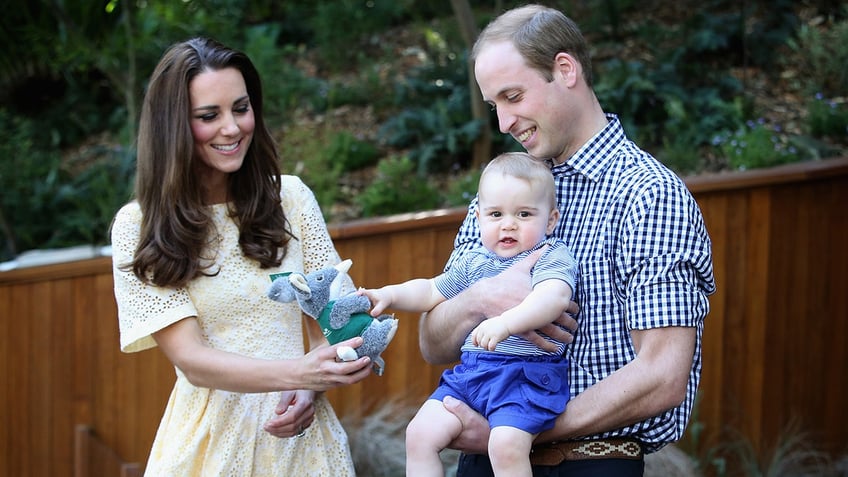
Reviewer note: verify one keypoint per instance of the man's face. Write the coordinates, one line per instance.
(531, 109)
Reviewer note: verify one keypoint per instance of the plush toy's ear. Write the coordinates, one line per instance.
(281, 290)
(344, 266)
(336, 285)
(299, 282)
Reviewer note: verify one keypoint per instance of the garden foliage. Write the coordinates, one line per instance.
(72, 75)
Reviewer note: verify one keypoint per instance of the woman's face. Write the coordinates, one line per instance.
(222, 125)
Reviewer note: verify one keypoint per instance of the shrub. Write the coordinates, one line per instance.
(304, 155)
(285, 87)
(823, 57)
(366, 88)
(92, 196)
(461, 189)
(435, 136)
(46, 204)
(827, 118)
(681, 156)
(629, 90)
(351, 153)
(342, 28)
(29, 182)
(434, 123)
(658, 103)
(791, 454)
(756, 145)
(397, 189)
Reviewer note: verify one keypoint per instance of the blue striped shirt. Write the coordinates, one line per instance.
(555, 263)
(645, 262)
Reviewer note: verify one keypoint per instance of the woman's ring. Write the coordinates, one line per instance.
(301, 433)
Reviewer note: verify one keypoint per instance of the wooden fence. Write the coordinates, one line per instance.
(774, 346)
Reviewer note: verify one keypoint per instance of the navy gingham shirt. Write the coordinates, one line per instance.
(645, 262)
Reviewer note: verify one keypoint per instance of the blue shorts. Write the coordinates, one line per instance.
(526, 392)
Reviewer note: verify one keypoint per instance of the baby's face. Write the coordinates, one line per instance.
(513, 216)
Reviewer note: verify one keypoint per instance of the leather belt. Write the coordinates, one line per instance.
(613, 448)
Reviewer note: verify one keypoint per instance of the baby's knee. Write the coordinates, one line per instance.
(507, 448)
(418, 434)
(415, 427)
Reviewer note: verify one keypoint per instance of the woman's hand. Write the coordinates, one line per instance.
(322, 370)
(294, 414)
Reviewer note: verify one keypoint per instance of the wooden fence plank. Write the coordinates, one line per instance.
(58, 323)
(712, 388)
(8, 323)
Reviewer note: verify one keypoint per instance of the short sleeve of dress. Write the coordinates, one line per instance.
(142, 309)
(307, 221)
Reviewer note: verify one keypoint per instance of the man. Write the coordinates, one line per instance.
(644, 253)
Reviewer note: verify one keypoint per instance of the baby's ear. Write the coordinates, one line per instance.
(553, 219)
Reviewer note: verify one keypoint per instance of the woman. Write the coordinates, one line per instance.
(192, 258)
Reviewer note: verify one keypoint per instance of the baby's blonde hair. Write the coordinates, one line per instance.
(523, 166)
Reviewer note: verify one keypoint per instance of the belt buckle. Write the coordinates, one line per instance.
(548, 454)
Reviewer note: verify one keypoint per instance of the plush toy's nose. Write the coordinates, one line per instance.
(281, 291)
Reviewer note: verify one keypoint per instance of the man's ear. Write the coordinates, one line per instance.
(567, 68)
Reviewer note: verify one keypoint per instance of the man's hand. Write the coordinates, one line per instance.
(474, 438)
(509, 287)
(442, 331)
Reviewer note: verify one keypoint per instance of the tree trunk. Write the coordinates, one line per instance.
(482, 150)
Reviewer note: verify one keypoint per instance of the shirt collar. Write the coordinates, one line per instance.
(597, 154)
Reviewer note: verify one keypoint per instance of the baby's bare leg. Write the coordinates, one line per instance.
(429, 432)
(509, 451)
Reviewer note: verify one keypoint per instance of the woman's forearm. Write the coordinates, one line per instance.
(208, 367)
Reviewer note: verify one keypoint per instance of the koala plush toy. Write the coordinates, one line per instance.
(340, 317)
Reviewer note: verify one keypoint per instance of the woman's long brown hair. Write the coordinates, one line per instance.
(176, 226)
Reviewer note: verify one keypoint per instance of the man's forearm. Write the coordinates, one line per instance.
(443, 329)
(652, 383)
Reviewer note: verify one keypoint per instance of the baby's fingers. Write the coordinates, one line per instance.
(476, 336)
(377, 309)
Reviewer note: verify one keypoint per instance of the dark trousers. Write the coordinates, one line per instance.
(474, 465)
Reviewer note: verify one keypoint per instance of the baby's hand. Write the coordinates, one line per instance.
(489, 333)
(380, 300)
